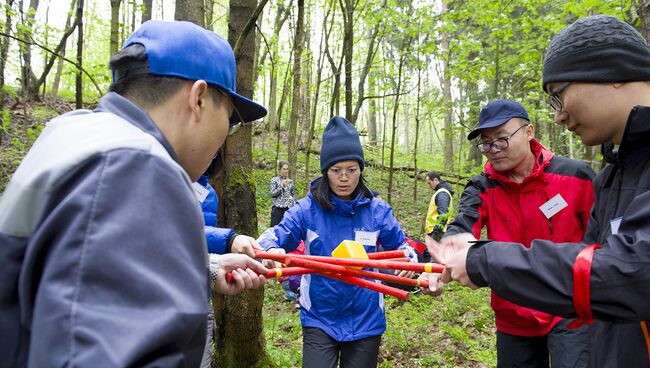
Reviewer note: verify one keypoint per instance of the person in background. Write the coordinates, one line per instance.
(283, 193)
(440, 205)
(525, 193)
(101, 237)
(597, 76)
(341, 322)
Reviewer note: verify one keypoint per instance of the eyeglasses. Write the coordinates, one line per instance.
(233, 127)
(336, 172)
(554, 97)
(498, 144)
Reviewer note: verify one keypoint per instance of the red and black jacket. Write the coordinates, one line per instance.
(510, 212)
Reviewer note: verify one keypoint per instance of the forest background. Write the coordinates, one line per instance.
(411, 75)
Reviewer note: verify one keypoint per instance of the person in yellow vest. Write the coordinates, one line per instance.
(439, 207)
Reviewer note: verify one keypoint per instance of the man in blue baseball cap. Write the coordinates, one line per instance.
(524, 193)
(104, 256)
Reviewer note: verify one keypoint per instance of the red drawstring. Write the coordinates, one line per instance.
(581, 286)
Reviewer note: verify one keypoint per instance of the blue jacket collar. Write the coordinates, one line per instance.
(127, 110)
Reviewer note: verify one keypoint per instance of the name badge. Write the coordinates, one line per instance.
(368, 238)
(553, 206)
(200, 192)
(614, 224)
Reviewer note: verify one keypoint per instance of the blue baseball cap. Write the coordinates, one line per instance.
(186, 50)
(496, 113)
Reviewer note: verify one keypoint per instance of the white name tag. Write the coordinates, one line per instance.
(553, 206)
(200, 192)
(614, 224)
(368, 238)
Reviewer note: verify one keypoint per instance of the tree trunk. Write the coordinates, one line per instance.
(370, 56)
(336, 71)
(28, 79)
(312, 125)
(209, 14)
(4, 48)
(59, 63)
(240, 334)
(80, 44)
(305, 82)
(643, 11)
(190, 10)
(446, 93)
(296, 110)
(417, 138)
(280, 18)
(59, 50)
(394, 125)
(146, 14)
(348, 43)
(372, 112)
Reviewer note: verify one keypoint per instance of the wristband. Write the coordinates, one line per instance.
(582, 287)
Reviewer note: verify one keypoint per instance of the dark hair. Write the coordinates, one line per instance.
(433, 175)
(131, 79)
(281, 164)
(322, 191)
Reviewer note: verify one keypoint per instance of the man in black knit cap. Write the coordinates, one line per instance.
(597, 75)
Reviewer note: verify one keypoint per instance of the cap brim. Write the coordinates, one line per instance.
(490, 124)
(248, 109)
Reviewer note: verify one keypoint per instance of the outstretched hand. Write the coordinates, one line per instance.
(452, 252)
(245, 271)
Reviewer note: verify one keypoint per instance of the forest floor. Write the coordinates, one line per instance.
(454, 330)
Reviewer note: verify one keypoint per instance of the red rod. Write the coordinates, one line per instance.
(403, 259)
(352, 262)
(387, 254)
(400, 294)
(321, 267)
(279, 272)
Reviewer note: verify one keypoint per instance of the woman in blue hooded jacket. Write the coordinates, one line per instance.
(340, 321)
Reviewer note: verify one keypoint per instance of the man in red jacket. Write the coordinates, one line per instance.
(526, 193)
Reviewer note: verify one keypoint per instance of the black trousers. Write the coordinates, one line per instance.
(320, 350)
(566, 348)
(276, 215)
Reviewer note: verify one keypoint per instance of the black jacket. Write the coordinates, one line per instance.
(542, 277)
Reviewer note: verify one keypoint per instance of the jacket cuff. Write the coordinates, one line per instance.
(231, 239)
(476, 264)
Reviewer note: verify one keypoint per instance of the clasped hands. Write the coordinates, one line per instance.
(452, 252)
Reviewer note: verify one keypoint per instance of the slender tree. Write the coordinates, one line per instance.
(80, 44)
(296, 109)
(4, 46)
(240, 337)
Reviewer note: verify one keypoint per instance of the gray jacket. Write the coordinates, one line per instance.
(104, 259)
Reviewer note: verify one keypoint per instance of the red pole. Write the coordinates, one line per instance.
(279, 272)
(387, 254)
(400, 294)
(351, 262)
(322, 267)
(403, 259)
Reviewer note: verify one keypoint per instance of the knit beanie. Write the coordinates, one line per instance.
(597, 49)
(340, 143)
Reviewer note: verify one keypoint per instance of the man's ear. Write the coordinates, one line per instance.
(198, 98)
(531, 131)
